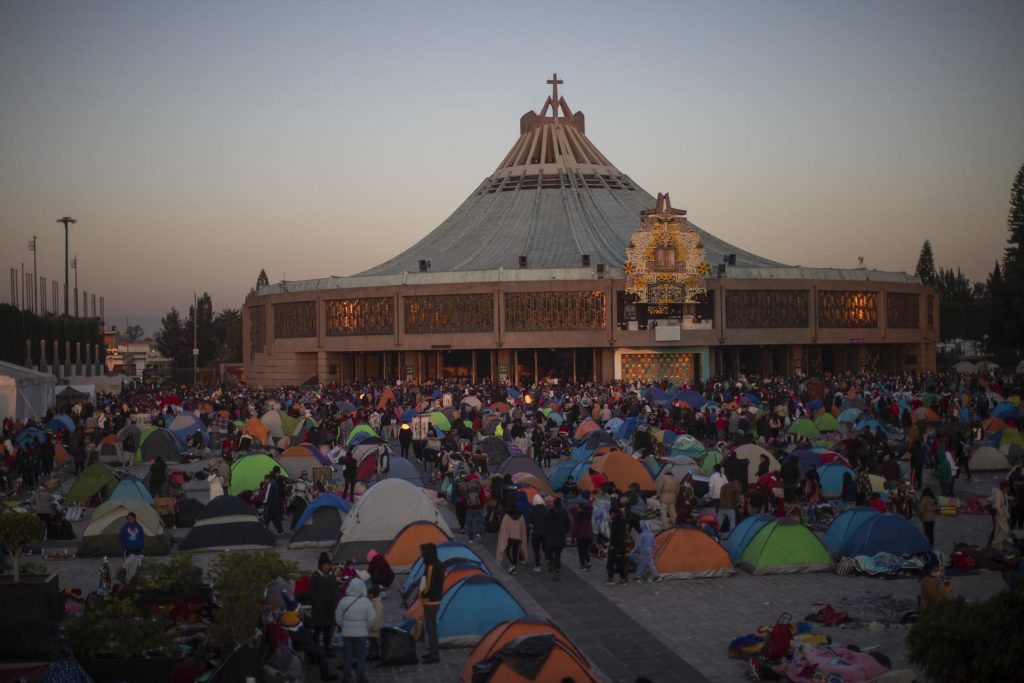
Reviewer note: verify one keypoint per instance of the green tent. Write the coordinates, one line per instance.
(687, 445)
(826, 423)
(146, 433)
(439, 419)
(784, 546)
(1010, 437)
(99, 538)
(708, 459)
(360, 429)
(96, 478)
(804, 427)
(247, 472)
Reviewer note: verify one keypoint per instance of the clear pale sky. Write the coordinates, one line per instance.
(197, 142)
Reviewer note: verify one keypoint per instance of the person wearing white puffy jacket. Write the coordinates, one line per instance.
(355, 616)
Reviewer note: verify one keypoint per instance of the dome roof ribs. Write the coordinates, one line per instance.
(553, 198)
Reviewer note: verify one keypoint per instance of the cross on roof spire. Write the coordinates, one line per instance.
(554, 83)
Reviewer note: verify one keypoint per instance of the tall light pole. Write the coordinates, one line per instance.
(35, 275)
(195, 339)
(66, 220)
(74, 266)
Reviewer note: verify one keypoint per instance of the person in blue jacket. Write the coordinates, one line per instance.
(131, 538)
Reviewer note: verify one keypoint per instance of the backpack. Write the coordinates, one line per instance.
(780, 639)
(473, 498)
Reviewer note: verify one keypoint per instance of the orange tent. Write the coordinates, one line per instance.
(993, 424)
(257, 430)
(452, 577)
(688, 553)
(388, 395)
(500, 407)
(110, 438)
(404, 550)
(528, 480)
(622, 470)
(60, 454)
(565, 660)
(586, 427)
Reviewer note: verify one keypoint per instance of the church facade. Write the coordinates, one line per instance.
(558, 265)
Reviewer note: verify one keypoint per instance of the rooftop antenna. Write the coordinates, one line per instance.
(860, 261)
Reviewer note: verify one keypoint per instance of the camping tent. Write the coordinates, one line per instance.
(521, 464)
(988, 458)
(743, 533)
(99, 538)
(400, 468)
(227, 523)
(888, 533)
(248, 471)
(496, 450)
(132, 488)
(257, 430)
(784, 546)
(679, 466)
(110, 452)
(831, 477)
(688, 553)
(154, 443)
(461, 622)
(184, 425)
(687, 445)
(302, 458)
(448, 552)
(752, 454)
(383, 511)
(563, 661)
(404, 550)
(622, 470)
(826, 423)
(844, 526)
(95, 479)
(319, 525)
(24, 392)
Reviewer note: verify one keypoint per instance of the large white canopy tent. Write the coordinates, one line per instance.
(24, 392)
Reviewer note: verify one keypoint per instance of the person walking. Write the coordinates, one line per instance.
(1000, 515)
(538, 513)
(350, 472)
(355, 615)
(582, 532)
(917, 464)
(405, 440)
(727, 504)
(645, 568)
(849, 492)
(431, 592)
(273, 503)
(475, 501)
(618, 533)
(557, 526)
(927, 507)
(323, 597)
(157, 477)
(512, 540)
(668, 492)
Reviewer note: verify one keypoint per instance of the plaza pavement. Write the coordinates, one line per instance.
(668, 631)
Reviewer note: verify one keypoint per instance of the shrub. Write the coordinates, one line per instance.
(241, 580)
(957, 641)
(18, 530)
(114, 628)
(179, 574)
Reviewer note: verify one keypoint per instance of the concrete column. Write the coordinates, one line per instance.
(515, 367)
(67, 358)
(43, 365)
(28, 353)
(536, 368)
(96, 361)
(88, 360)
(473, 367)
(55, 363)
(78, 359)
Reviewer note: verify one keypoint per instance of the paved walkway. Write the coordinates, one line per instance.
(615, 642)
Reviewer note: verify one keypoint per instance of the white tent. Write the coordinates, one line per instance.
(25, 392)
(385, 509)
(987, 459)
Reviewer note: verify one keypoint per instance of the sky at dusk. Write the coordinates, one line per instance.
(197, 142)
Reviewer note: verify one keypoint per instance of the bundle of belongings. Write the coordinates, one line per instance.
(776, 641)
(977, 505)
(883, 608)
(880, 564)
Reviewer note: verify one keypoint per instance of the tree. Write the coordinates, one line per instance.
(174, 340)
(950, 286)
(1011, 298)
(134, 333)
(1015, 221)
(926, 264)
(261, 281)
(18, 530)
(229, 330)
(207, 336)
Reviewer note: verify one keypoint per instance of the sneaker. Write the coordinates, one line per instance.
(656, 579)
(609, 582)
(624, 582)
(584, 568)
(469, 540)
(513, 571)
(537, 569)
(637, 580)
(480, 538)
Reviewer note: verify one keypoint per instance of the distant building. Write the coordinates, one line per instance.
(558, 265)
(140, 359)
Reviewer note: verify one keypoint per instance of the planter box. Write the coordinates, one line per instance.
(119, 670)
(35, 606)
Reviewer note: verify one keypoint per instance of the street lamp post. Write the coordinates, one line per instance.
(35, 275)
(74, 267)
(66, 220)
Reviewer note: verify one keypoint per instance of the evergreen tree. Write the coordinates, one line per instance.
(208, 339)
(174, 340)
(1015, 221)
(229, 330)
(1010, 301)
(997, 319)
(261, 281)
(926, 264)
